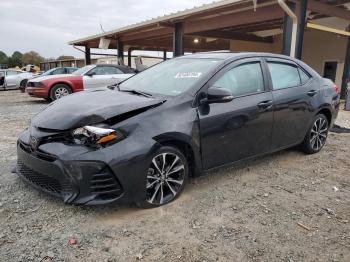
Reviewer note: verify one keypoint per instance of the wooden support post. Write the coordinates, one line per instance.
(301, 29)
(178, 40)
(164, 55)
(346, 72)
(287, 30)
(87, 56)
(120, 49)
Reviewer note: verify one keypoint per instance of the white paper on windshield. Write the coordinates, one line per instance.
(188, 75)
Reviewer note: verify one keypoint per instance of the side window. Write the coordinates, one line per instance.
(11, 73)
(106, 70)
(71, 70)
(304, 77)
(58, 71)
(283, 75)
(111, 70)
(243, 80)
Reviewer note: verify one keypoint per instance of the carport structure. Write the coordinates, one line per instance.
(238, 25)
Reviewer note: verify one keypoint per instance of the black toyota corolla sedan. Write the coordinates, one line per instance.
(140, 141)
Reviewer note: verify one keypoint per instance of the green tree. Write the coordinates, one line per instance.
(32, 58)
(65, 57)
(16, 59)
(3, 58)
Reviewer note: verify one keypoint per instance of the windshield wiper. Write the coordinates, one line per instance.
(136, 92)
(112, 87)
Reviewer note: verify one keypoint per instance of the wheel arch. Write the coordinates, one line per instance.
(184, 144)
(327, 113)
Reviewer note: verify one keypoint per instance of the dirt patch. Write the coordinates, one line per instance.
(283, 207)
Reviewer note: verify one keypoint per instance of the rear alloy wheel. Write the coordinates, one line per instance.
(317, 135)
(59, 91)
(166, 177)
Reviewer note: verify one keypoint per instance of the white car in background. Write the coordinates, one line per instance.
(13, 79)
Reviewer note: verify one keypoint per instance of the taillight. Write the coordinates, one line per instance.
(336, 89)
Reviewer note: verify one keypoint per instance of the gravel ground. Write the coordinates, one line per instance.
(283, 207)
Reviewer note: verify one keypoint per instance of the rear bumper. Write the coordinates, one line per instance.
(335, 109)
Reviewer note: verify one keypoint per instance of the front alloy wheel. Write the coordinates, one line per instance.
(166, 176)
(59, 91)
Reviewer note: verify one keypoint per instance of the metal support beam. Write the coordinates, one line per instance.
(120, 49)
(178, 40)
(87, 56)
(129, 56)
(346, 72)
(301, 29)
(329, 10)
(164, 55)
(287, 30)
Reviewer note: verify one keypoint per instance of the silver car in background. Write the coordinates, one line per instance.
(13, 79)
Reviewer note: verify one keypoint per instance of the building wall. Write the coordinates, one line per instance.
(318, 47)
(248, 46)
(147, 61)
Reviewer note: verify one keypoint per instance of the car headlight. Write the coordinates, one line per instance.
(38, 84)
(97, 135)
(35, 84)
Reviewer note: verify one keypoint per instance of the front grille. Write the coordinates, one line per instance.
(46, 183)
(105, 185)
(38, 153)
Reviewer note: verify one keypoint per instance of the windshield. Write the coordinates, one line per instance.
(170, 78)
(48, 72)
(83, 70)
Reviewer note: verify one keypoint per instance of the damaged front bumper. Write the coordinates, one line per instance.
(79, 175)
(75, 182)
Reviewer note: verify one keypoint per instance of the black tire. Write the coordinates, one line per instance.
(23, 83)
(48, 99)
(316, 136)
(168, 190)
(66, 90)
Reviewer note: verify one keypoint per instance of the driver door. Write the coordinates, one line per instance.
(242, 127)
(12, 78)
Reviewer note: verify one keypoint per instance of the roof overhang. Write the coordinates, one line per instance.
(218, 22)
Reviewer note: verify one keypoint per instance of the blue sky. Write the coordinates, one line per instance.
(46, 26)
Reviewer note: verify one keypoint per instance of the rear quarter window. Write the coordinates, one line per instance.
(304, 77)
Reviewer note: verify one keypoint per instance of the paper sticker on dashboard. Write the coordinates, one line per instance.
(188, 75)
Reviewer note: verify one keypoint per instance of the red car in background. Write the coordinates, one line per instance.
(53, 87)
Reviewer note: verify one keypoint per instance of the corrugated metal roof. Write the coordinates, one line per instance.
(173, 16)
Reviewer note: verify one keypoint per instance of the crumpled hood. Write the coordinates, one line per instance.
(88, 108)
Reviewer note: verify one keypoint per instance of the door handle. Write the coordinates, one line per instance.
(265, 104)
(312, 92)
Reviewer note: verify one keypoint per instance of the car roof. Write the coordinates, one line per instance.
(226, 55)
(231, 56)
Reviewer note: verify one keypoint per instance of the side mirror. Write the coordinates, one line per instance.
(91, 74)
(217, 95)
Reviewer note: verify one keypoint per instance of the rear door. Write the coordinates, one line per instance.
(241, 128)
(294, 94)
